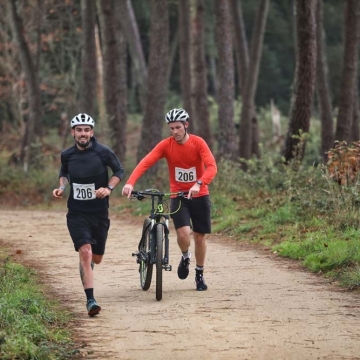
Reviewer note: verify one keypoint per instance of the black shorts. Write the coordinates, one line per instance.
(88, 229)
(197, 210)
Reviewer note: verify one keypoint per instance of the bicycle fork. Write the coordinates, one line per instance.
(165, 239)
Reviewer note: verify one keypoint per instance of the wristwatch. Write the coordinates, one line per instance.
(199, 182)
(110, 187)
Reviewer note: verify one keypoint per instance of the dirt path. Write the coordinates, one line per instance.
(255, 308)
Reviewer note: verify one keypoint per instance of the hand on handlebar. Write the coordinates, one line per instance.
(127, 189)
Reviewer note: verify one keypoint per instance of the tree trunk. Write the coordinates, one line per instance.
(185, 55)
(112, 78)
(201, 117)
(101, 124)
(39, 16)
(132, 34)
(242, 59)
(225, 94)
(88, 57)
(172, 54)
(32, 85)
(247, 113)
(349, 72)
(240, 41)
(156, 94)
(355, 132)
(304, 82)
(323, 91)
(119, 138)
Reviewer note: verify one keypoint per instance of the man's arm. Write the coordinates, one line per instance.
(57, 193)
(147, 162)
(63, 181)
(209, 162)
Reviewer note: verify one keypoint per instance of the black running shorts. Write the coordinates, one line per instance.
(194, 212)
(88, 229)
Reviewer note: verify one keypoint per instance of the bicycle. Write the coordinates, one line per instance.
(153, 248)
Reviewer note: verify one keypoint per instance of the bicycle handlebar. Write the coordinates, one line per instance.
(140, 195)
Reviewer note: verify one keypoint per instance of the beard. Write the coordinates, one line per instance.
(83, 144)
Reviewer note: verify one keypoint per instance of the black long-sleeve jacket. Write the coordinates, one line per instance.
(87, 170)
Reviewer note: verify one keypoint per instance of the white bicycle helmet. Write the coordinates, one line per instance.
(82, 119)
(177, 115)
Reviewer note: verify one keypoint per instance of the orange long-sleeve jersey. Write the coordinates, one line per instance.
(187, 163)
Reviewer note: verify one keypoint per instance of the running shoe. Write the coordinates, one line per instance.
(200, 282)
(92, 307)
(183, 269)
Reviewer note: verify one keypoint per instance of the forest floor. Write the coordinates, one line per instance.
(258, 306)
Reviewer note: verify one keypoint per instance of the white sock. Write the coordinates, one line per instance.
(186, 254)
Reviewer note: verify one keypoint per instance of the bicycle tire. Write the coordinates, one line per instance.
(146, 267)
(159, 260)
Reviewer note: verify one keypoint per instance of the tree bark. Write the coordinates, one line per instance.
(32, 85)
(119, 139)
(240, 41)
(242, 65)
(248, 94)
(227, 148)
(156, 94)
(355, 132)
(101, 124)
(349, 72)
(304, 82)
(201, 117)
(323, 90)
(88, 57)
(172, 54)
(132, 34)
(185, 55)
(112, 78)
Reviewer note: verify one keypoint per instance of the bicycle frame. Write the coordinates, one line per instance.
(154, 243)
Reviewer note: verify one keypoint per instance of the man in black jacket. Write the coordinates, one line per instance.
(85, 167)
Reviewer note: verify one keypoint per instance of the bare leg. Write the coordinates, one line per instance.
(86, 274)
(200, 248)
(97, 258)
(183, 238)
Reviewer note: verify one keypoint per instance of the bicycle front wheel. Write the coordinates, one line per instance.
(159, 260)
(146, 267)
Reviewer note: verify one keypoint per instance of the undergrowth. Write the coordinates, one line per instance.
(297, 212)
(31, 325)
(302, 214)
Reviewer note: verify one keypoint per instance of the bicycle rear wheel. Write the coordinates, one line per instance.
(146, 268)
(159, 259)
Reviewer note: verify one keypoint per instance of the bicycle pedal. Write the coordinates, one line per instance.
(167, 267)
(135, 254)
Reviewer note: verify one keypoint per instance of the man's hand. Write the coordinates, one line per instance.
(127, 189)
(57, 193)
(194, 190)
(102, 192)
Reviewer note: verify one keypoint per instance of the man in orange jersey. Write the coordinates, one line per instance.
(192, 167)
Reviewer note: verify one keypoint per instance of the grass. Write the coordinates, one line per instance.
(32, 326)
(306, 217)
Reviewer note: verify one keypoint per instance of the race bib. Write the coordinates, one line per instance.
(185, 175)
(84, 191)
